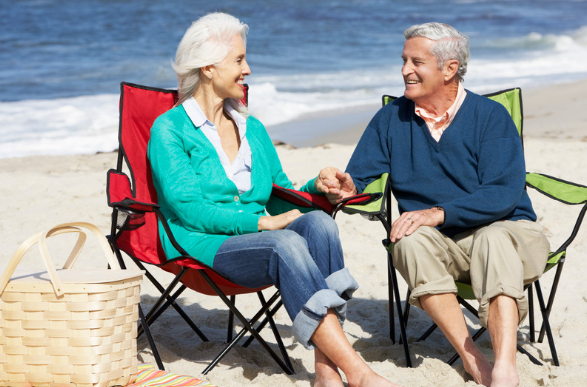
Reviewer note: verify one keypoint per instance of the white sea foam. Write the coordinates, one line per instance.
(89, 124)
(60, 126)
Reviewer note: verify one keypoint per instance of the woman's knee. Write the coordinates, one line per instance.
(316, 224)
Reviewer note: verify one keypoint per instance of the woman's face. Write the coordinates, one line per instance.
(228, 75)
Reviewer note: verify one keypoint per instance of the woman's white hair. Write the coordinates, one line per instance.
(448, 44)
(207, 42)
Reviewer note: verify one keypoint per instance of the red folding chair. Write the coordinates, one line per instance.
(135, 228)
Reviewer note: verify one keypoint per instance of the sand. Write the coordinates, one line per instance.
(39, 192)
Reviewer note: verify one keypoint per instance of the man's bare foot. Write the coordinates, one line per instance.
(371, 379)
(477, 365)
(504, 375)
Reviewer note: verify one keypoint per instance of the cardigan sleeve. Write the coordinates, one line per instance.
(275, 206)
(181, 188)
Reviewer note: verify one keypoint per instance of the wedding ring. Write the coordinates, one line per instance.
(411, 220)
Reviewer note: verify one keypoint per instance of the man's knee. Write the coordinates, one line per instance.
(417, 246)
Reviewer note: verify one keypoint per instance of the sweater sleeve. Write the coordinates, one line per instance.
(181, 188)
(501, 172)
(371, 157)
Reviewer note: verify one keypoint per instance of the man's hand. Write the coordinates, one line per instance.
(409, 222)
(278, 222)
(335, 184)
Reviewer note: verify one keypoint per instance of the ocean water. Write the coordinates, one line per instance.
(61, 61)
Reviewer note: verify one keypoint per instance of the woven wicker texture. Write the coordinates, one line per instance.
(85, 337)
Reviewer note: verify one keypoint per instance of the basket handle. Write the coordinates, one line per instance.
(41, 237)
(112, 261)
(30, 242)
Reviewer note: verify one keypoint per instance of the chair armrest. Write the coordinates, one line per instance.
(557, 189)
(319, 202)
(564, 192)
(303, 199)
(378, 191)
(120, 194)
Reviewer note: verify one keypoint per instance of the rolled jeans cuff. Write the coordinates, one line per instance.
(313, 312)
(343, 283)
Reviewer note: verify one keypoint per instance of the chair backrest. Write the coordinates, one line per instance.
(511, 99)
(139, 238)
(139, 107)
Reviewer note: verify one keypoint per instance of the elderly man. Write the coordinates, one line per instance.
(457, 170)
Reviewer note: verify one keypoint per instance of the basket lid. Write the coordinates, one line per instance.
(79, 276)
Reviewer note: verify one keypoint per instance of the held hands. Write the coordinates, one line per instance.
(278, 222)
(409, 222)
(335, 184)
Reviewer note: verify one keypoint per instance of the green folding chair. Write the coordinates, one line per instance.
(560, 190)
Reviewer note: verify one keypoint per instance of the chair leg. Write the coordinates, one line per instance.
(546, 323)
(247, 328)
(170, 300)
(428, 332)
(150, 339)
(269, 316)
(406, 311)
(391, 303)
(551, 298)
(230, 327)
(400, 313)
(531, 314)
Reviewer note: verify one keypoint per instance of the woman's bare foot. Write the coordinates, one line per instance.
(327, 374)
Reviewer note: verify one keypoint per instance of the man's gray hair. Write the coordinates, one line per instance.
(448, 44)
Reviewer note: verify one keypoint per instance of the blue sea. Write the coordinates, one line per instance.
(61, 61)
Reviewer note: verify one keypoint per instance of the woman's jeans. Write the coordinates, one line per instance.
(304, 261)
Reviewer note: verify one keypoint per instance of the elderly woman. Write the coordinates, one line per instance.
(213, 168)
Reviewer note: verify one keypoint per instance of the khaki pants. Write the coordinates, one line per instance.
(499, 258)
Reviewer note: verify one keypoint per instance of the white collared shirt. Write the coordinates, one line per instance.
(239, 172)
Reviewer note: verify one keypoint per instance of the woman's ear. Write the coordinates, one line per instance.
(206, 71)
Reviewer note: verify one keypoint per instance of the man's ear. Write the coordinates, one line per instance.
(451, 67)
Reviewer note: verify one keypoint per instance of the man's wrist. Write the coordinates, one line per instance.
(438, 208)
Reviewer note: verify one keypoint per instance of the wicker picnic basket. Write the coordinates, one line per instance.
(68, 327)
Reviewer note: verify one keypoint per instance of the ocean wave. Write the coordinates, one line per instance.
(537, 41)
(80, 125)
(89, 124)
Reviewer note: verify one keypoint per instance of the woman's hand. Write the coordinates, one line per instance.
(409, 222)
(335, 184)
(278, 222)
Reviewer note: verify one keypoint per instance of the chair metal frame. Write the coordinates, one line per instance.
(132, 209)
(556, 258)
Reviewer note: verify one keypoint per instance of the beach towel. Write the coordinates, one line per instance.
(149, 376)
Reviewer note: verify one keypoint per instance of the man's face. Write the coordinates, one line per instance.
(422, 78)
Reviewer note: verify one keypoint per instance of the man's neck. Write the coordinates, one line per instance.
(437, 106)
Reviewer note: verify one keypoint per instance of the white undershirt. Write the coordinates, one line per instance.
(239, 172)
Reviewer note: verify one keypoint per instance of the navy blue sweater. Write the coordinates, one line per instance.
(476, 172)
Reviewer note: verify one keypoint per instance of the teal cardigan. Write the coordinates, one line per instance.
(202, 206)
